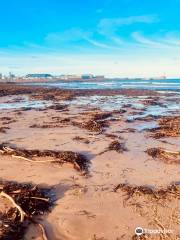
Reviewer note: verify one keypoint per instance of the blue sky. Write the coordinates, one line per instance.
(113, 37)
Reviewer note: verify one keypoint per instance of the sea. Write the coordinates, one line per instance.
(154, 84)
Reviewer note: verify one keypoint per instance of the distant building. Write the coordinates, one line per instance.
(11, 75)
(99, 77)
(87, 76)
(38, 75)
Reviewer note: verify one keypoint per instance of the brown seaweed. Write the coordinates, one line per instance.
(166, 156)
(24, 198)
(173, 189)
(168, 127)
(81, 139)
(115, 146)
(79, 161)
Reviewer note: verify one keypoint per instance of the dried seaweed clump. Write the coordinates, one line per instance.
(168, 127)
(3, 129)
(25, 202)
(173, 189)
(79, 161)
(115, 146)
(101, 116)
(58, 107)
(141, 237)
(92, 125)
(96, 123)
(81, 139)
(164, 155)
(152, 102)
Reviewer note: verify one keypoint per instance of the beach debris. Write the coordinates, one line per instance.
(153, 102)
(101, 116)
(96, 123)
(170, 157)
(168, 127)
(112, 136)
(43, 232)
(56, 123)
(58, 107)
(79, 161)
(94, 126)
(23, 203)
(81, 139)
(171, 190)
(3, 129)
(120, 111)
(61, 120)
(141, 237)
(127, 130)
(115, 146)
(91, 125)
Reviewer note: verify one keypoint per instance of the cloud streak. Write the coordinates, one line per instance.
(164, 42)
(108, 26)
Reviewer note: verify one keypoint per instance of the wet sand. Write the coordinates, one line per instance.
(93, 204)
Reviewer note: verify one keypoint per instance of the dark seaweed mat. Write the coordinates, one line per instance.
(10, 226)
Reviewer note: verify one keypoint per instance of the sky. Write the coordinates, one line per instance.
(116, 38)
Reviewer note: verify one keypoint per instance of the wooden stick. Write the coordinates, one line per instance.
(8, 149)
(42, 231)
(34, 161)
(38, 198)
(22, 213)
(167, 151)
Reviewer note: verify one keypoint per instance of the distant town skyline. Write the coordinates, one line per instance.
(127, 38)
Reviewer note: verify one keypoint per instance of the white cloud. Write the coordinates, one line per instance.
(69, 35)
(99, 44)
(108, 26)
(163, 42)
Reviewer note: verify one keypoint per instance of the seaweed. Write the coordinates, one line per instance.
(81, 139)
(166, 156)
(26, 202)
(172, 189)
(79, 161)
(168, 127)
(3, 129)
(96, 122)
(115, 146)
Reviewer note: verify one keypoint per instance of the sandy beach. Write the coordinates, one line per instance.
(109, 157)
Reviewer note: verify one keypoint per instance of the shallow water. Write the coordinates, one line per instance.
(147, 125)
(23, 102)
(110, 103)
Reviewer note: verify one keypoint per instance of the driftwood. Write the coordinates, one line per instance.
(22, 213)
(44, 236)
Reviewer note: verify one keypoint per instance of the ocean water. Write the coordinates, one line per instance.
(155, 84)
